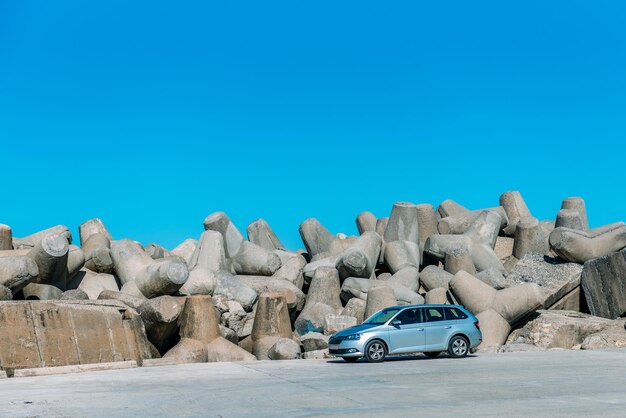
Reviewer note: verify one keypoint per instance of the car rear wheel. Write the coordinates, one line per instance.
(433, 354)
(351, 359)
(375, 351)
(458, 347)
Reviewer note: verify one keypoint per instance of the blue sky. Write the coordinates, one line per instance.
(151, 115)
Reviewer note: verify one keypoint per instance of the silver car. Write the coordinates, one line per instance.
(429, 329)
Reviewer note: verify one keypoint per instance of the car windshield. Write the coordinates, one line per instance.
(382, 316)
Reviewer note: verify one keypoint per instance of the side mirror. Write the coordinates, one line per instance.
(396, 322)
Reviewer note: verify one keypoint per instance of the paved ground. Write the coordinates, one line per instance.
(555, 383)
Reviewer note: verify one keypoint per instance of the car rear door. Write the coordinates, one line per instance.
(409, 335)
(436, 328)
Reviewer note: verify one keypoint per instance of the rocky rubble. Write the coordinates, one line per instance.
(221, 297)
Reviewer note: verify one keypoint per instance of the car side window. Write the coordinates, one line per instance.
(434, 314)
(454, 313)
(410, 316)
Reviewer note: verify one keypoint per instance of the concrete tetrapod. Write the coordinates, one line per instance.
(271, 323)
(427, 226)
(433, 277)
(150, 277)
(186, 249)
(17, 272)
(33, 239)
(316, 238)
(322, 299)
(95, 241)
(261, 234)
(515, 209)
(6, 238)
(366, 221)
(200, 337)
(379, 297)
(497, 310)
(361, 258)
(93, 283)
(208, 258)
(456, 219)
(404, 285)
(160, 317)
(294, 297)
(402, 237)
(577, 204)
(247, 258)
(530, 237)
(479, 240)
(581, 246)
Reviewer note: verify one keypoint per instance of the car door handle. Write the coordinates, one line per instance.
(419, 329)
(448, 327)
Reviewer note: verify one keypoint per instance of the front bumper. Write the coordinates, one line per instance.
(345, 352)
(347, 348)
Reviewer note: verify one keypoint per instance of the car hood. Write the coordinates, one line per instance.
(356, 329)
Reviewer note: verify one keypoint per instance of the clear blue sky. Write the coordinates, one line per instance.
(151, 115)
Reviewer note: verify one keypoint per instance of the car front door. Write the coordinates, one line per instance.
(408, 335)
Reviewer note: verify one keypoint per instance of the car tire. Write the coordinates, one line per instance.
(350, 359)
(458, 347)
(432, 354)
(375, 351)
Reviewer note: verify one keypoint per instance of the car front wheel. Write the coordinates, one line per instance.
(458, 347)
(375, 351)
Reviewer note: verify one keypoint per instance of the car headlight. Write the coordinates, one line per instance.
(354, 337)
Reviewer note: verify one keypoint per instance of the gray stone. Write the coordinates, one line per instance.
(74, 294)
(313, 341)
(229, 334)
(5, 293)
(604, 284)
(336, 323)
(316, 355)
(234, 289)
(555, 277)
(284, 349)
(558, 329)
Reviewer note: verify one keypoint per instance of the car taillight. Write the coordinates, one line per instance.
(477, 325)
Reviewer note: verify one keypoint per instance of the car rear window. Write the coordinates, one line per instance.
(454, 313)
(434, 314)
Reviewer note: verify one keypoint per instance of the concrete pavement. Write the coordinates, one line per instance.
(553, 383)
